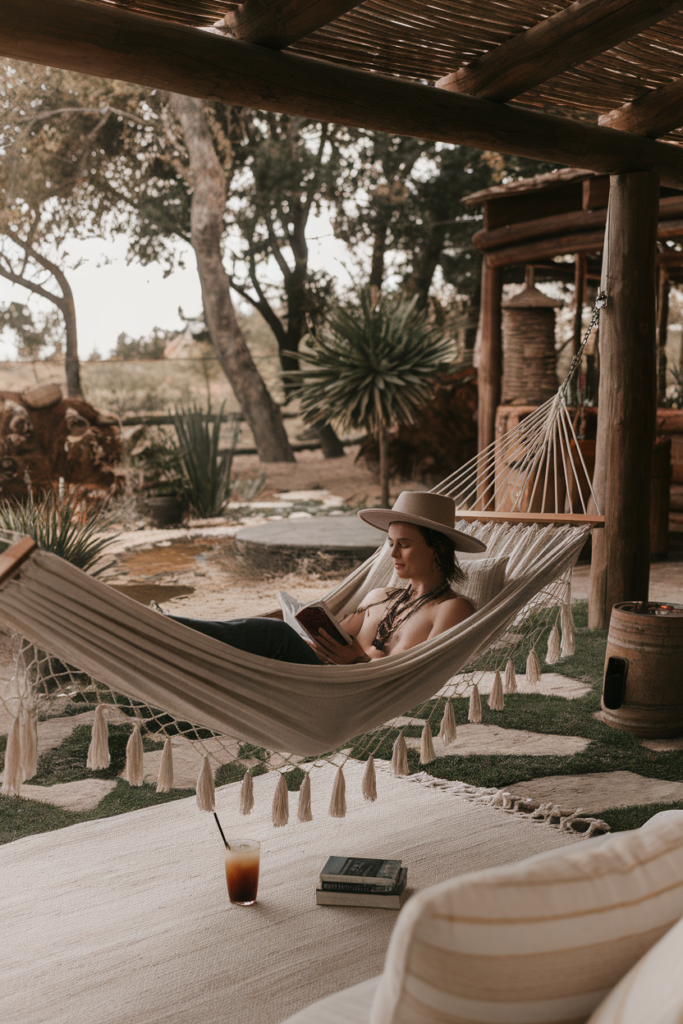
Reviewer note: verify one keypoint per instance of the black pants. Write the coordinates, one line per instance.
(271, 638)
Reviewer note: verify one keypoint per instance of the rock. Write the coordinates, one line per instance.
(599, 791)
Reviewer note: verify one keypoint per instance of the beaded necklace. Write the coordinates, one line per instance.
(403, 607)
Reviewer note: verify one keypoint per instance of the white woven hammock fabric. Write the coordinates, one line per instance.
(305, 709)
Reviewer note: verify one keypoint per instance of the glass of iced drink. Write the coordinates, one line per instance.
(242, 858)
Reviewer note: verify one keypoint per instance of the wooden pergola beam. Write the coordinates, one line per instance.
(570, 37)
(277, 23)
(670, 210)
(110, 42)
(654, 114)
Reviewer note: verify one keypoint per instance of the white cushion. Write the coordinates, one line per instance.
(536, 942)
(350, 1006)
(485, 580)
(652, 991)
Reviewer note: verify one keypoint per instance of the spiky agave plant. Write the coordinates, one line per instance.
(205, 471)
(371, 367)
(59, 523)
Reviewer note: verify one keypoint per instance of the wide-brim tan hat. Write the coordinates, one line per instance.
(423, 508)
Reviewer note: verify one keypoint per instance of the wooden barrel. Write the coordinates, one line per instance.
(650, 638)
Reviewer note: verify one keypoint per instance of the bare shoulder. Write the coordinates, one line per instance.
(452, 611)
(381, 594)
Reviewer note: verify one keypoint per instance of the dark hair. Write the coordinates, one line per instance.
(444, 553)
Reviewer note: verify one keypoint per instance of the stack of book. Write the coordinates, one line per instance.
(361, 882)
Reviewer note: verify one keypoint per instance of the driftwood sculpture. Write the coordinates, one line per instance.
(45, 437)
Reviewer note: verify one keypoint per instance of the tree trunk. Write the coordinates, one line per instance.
(73, 366)
(383, 438)
(331, 446)
(620, 564)
(207, 180)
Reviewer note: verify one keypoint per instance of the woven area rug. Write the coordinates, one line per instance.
(126, 919)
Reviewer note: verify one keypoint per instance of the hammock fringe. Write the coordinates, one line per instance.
(553, 653)
(369, 784)
(206, 791)
(474, 715)
(134, 770)
(280, 803)
(510, 677)
(247, 793)
(399, 757)
(496, 698)
(165, 781)
(533, 668)
(98, 751)
(338, 798)
(29, 745)
(427, 753)
(448, 731)
(305, 812)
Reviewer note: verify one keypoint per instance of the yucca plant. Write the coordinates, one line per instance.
(371, 366)
(62, 524)
(205, 471)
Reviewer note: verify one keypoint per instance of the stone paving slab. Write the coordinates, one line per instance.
(338, 533)
(492, 739)
(595, 793)
(551, 684)
(83, 795)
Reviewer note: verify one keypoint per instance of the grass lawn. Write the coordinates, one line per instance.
(609, 750)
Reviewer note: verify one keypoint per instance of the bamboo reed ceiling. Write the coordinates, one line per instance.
(424, 40)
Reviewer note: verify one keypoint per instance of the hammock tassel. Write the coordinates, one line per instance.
(281, 803)
(369, 786)
(165, 781)
(247, 793)
(305, 813)
(496, 698)
(399, 756)
(475, 706)
(98, 751)
(338, 799)
(553, 653)
(206, 791)
(29, 745)
(533, 668)
(427, 753)
(448, 731)
(510, 677)
(568, 634)
(134, 768)
(13, 777)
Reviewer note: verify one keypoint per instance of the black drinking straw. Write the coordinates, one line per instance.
(221, 830)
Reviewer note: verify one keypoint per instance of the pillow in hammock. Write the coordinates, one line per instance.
(537, 942)
(485, 580)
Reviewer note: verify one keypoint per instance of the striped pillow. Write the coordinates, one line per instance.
(538, 942)
(485, 580)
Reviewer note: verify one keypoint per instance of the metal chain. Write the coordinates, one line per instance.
(600, 303)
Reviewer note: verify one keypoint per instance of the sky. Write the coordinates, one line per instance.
(112, 297)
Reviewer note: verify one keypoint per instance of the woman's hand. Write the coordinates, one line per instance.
(338, 654)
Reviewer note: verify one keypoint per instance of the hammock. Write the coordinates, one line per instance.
(526, 497)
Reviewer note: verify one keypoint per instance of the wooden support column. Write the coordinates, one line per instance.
(489, 370)
(662, 327)
(620, 568)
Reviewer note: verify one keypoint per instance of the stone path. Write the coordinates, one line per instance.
(551, 684)
(595, 793)
(83, 795)
(492, 739)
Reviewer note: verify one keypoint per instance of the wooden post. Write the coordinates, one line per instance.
(620, 568)
(489, 370)
(579, 298)
(662, 327)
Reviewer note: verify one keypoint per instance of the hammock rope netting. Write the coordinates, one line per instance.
(235, 715)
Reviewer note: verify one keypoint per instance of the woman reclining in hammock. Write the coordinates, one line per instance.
(423, 542)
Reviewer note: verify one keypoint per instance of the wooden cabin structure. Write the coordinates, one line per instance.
(595, 84)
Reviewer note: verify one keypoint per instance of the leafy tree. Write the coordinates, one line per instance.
(32, 332)
(154, 166)
(151, 346)
(371, 366)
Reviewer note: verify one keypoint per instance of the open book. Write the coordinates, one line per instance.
(308, 619)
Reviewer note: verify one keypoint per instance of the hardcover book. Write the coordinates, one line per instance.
(361, 871)
(309, 619)
(390, 899)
